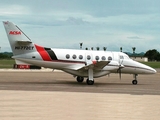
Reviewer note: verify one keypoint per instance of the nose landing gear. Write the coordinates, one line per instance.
(134, 82)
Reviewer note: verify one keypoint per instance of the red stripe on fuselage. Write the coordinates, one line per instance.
(43, 53)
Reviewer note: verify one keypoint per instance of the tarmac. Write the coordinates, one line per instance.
(48, 95)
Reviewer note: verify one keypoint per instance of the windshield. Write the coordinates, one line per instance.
(124, 56)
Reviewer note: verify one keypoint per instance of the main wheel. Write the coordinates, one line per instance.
(80, 79)
(134, 82)
(90, 82)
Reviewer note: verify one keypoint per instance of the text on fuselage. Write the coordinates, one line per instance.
(24, 47)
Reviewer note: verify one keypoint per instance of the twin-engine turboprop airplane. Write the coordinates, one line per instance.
(80, 63)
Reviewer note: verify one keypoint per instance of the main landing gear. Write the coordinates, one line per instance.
(134, 82)
(81, 79)
(90, 82)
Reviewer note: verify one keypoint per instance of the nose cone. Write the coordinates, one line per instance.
(149, 70)
(144, 69)
(153, 71)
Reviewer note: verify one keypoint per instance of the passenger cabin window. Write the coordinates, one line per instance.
(109, 58)
(67, 56)
(97, 57)
(74, 56)
(103, 58)
(88, 57)
(80, 57)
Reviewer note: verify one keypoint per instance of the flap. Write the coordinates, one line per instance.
(96, 65)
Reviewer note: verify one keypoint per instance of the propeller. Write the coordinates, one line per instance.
(121, 66)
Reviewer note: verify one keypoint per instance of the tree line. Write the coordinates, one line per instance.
(6, 55)
(153, 55)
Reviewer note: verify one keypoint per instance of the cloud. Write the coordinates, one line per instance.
(134, 37)
(76, 21)
(9, 10)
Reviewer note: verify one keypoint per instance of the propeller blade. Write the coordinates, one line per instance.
(119, 70)
(120, 74)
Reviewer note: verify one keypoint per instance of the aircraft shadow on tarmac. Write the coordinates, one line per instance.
(74, 86)
(64, 82)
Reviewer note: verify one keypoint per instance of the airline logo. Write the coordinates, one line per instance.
(15, 33)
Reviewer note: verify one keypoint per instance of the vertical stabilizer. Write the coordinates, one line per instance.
(20, 43)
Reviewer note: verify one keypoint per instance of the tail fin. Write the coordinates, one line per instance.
(20, 43)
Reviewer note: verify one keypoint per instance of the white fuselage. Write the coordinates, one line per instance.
(70, 61)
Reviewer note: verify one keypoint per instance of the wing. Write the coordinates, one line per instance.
(96, 65)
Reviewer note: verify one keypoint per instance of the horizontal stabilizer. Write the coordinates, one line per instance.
(24, 41)
(18, 62)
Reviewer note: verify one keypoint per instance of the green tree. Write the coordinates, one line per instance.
(4, 56)
(152, 55)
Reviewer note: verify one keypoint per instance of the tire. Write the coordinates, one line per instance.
(90, 82)
(80, 79)
(134, 82)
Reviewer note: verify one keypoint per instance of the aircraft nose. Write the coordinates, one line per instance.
(154, 71)
(147, 69)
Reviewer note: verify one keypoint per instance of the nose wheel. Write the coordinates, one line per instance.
(134, 82)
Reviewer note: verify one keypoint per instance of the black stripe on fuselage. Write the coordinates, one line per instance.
(51, 53)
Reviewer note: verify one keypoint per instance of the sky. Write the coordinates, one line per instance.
(95, 23)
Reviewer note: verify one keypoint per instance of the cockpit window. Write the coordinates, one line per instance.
(121, 57)
(126, 57)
